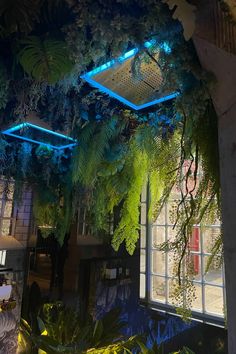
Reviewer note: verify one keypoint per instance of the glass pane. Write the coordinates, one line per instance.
(194, 240)
(142, 260)
(158, 235)
(143, 236)
(209, 235)
(214, 299)
(194, 261)
(172, 286)
(6, 224)
(171, 265)
(171, 233)
(144, 194)
(214, 274)
(158, 288)
(171, 211)
(8, 209)
(143, 213)
(158, 262)
(142, 286)
(175, 193)
(161, 219)
(197, 301)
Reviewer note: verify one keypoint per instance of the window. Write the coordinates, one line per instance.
(157, 271)
(143, 232)
(6, 207)
(3, 254)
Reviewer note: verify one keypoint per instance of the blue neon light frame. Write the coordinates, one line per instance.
(89, 78)
(12, 132)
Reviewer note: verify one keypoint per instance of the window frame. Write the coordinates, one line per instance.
(201, 315)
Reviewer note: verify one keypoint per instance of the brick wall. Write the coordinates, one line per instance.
(23, 212)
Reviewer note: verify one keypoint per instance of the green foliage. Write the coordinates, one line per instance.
(155, 349)
(128, 227)
(63, 331)
(19, 15)
(4, 86)
(45, 59)
(185, 350)
(118, 151)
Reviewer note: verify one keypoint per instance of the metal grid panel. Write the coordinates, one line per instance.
(119, 79)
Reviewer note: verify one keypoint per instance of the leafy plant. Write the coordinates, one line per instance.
(19, 15)
(4, 86)
(63, 331)
(45, 59)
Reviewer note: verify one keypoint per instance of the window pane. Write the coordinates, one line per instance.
(214, 273)
(6, 224)
(158, 288)
(194, 261)
(172, 285)
(142, 286)
(158, 235)
(143, 213)
(171, 211)
(10, 191)
(143, 237)
(142, 260)
(194, 241)
(214, 299)
(158, 262)
(171, 233)
(210, 235)
(197, 301)
(171, 265)
(161, 219)
(144, 194)
(8, 209)
(175, 192)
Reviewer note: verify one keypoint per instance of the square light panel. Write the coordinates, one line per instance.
(115, 79)
(35, 134)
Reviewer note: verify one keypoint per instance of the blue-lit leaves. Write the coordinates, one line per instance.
(166, 47)
(44, 152)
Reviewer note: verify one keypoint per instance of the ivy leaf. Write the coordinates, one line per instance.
(185, 13)
(45, 59)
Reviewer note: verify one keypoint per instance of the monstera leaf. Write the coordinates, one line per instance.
(185, 13)
(45, 59)
(19, 15)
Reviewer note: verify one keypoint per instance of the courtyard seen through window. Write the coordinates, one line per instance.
(157, 268)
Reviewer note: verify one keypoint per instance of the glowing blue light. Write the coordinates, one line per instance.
(149, 44)
(165, 46)
(125, 101)
(89, 77)
(13, 133)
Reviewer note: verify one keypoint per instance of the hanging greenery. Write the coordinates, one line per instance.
(119, 151)
(4, 86)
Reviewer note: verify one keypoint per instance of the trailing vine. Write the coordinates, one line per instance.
(119, 150)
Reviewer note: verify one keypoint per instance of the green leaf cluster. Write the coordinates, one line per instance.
(45, 59)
